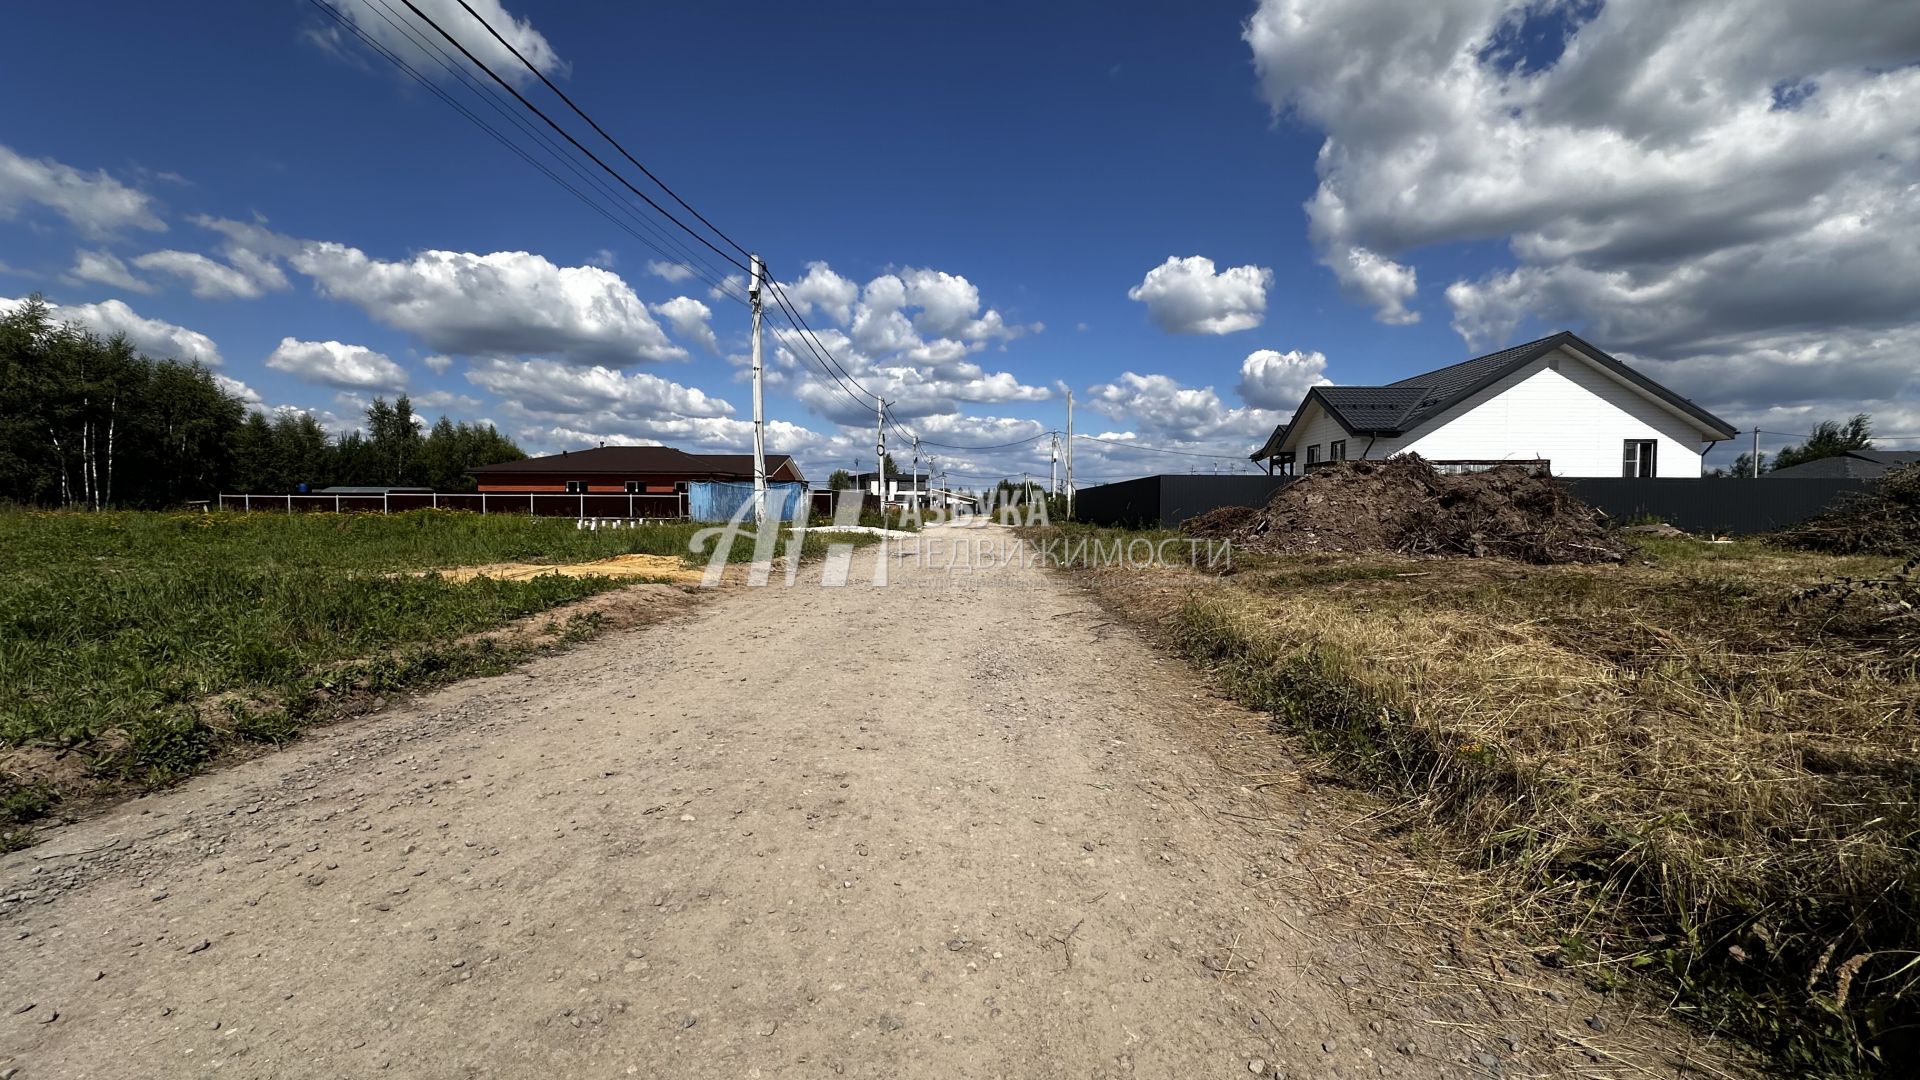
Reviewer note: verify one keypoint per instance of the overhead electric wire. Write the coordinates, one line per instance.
(1160, 450)
(400, 63)
(679, 252)
(827, 364)
(993, 446)
(1794, 435)
(578, 111)
(793, 315)
(567, 135)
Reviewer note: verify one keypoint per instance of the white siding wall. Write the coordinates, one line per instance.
(1577, 416)
(1317, 428)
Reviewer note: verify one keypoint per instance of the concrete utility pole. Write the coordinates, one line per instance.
(1053, 465)
(880, 452)
(916, 470)
(1756, 451)
(1069, 455)
(759, 270)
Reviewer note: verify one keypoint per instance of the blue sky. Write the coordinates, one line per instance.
(995, 192)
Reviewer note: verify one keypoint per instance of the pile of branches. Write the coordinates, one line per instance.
(1220, 522)
(1405, 505)
(1882, 521)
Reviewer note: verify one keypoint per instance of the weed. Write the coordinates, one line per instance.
(1700, 768)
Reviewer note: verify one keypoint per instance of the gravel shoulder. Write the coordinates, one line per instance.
(961, 826)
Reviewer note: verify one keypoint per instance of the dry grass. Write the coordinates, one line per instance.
(1671, 767)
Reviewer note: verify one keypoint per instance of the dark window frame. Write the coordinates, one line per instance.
(1337, 450)
(576, 487)
(1313, 455)
(1639, 459)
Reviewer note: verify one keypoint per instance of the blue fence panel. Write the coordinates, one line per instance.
(719, 500)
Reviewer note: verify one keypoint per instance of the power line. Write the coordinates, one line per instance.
(679, 253)
(1159, 450)
(392, 58)
(565, 134)
(542, 76)
(821, 353)
(994, 446)
(1875, 438)
(793, 315)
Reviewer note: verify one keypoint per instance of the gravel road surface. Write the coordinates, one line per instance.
(960, 826)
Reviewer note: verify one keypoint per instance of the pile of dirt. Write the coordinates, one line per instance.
(1882, 521)
(1405, 505)
(1220, 523)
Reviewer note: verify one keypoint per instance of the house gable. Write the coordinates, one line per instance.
(1583, 393)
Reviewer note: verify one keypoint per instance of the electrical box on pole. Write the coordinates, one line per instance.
(759, 270)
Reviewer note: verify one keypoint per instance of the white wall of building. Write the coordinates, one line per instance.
(1560, 407)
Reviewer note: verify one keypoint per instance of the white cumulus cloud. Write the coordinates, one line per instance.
(94, 203)
(1270, 379)
(103, 268)
(1187, 296)
(208, 278)
(1709, 189)
(154, 337)
(448, 14)
(331, 363)
(691, 319)
(501, 303)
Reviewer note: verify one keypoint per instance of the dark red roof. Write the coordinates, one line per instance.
(631, 460)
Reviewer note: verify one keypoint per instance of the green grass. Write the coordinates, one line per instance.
(117, 630)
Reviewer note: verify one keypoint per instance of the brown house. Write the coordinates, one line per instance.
(630, 470)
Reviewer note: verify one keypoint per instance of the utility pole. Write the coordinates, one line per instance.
(758, 270)
(880, 452)
(1069, 455)
(1053, 465)
(916, 470)
(1756, 451)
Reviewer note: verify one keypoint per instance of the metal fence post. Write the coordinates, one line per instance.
(384, 508)
(248, 504)
(529, 504)
(336, 504)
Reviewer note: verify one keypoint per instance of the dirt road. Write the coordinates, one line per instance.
(961, 826)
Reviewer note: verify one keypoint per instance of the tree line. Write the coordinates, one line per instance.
(1829, 438)
(90, 422)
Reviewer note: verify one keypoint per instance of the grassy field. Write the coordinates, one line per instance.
(1689, 768)
(118, 629)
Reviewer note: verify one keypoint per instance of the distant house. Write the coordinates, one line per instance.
(632, 470)
(1558, 403)
(1852, 465)
(901, 487)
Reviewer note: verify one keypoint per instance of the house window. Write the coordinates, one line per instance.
(1337, 450)
(576, 487)
(633, 487)
(1638, 458)
(1313, 455)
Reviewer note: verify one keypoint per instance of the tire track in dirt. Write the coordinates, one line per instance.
(954, 827)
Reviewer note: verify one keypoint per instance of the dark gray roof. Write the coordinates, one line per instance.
(1397, 408)
(1272, 445)
(1852, 465)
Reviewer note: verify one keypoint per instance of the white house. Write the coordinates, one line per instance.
(1558, 402)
